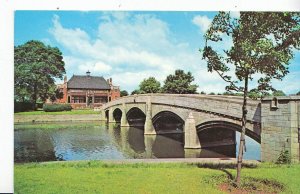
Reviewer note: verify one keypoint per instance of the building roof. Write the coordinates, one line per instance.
(88, 82)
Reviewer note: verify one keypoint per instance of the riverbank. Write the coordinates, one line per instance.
(107, 177)
(41, 116)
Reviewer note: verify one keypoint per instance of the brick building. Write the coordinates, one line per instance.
(88, 91)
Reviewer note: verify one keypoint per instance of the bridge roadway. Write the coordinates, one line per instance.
(273, 122)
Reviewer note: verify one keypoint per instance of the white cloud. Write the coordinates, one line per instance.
(130, 48)
(202, 22)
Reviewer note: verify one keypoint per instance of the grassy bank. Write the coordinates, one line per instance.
(72, 112)
(57, 125)
(100, 177)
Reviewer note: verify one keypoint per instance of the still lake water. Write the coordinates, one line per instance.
(96, 141)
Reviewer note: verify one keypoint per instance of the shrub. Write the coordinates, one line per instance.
(23, 106)
(56, 107)
(284, 157)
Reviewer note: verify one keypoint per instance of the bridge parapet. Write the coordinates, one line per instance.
(222, 105)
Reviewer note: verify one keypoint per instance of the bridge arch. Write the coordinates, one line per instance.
(168, 121)
(135, 117)
(225, 125)
(117, 114)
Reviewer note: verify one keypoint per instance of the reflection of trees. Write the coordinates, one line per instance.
(82, 142)
(33, 146)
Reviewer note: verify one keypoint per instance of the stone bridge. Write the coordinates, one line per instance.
(208, 120)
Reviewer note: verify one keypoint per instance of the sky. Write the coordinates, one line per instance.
(132, 46)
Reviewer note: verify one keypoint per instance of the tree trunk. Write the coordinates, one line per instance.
(242, 138)
(34, 97)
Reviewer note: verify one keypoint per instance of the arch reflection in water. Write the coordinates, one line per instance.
(135, 144)
(111, 142)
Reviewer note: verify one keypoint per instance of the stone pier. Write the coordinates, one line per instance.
(191, 139)
(111, 116)
(124, 122)
(149, 128)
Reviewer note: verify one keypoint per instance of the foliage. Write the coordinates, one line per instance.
(36, 67)
(298, 93)
(135, 92)
(278, 93)
(180, 83)
(202, 92)
(56, 94)
(284, 157)
(212, 93)
(22, 106)
(150, 85)
(123, 93)
(263, 45)
(57, 107)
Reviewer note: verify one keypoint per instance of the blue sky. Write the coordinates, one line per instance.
(132, 46)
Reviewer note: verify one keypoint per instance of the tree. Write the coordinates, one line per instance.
(180, 83)
(55, 93)
(150, 85)
(298, 93)
(135, 92)
(123, 93)
(278, 93)
(36, 67)
(263, 44)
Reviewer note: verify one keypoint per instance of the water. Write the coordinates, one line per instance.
(96, 141)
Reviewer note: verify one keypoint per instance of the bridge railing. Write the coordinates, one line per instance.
(226, 105)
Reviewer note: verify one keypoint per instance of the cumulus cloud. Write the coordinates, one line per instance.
(202, 22)
(130, 48)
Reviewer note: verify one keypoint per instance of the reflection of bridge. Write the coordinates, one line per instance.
(208, 120)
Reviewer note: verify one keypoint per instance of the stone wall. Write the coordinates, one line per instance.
(280, 125)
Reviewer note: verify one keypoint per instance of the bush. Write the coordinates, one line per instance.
(57, 107)
(23, 106)
(284, 157)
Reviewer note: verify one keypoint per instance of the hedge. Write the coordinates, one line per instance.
(56, 107)
(23, 106)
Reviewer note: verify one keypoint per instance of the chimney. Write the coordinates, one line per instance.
(65, 79)
(88, 73)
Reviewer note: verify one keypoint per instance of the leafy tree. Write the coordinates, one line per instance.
(36, 67)
(278, 93)
(212, 93)
(263, 44)
(150, 85)
(56, 94)
(180, 83)
(298, 93)
(202, 92)
(123, 93)
(135, 92)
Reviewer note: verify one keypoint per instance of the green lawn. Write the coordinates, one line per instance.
(57, 125)
(73, 112)
(99, 177)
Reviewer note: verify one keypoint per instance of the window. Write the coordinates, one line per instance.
(78, 99)
(100, 99)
